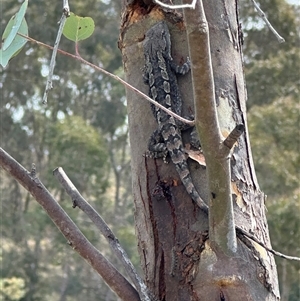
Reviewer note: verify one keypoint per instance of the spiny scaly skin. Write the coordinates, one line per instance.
(160, 74)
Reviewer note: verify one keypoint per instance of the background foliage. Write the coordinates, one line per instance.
(83, 128)
(273, 82)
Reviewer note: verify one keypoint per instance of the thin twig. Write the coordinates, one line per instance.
(65, 15)
(171, 6)
(263, 16)
(252, 237)
(94, 216)
(49, 84)
(117, 78)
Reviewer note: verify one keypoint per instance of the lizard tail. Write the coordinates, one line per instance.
(184, 174)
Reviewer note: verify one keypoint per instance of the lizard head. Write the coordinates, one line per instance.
(157, 38)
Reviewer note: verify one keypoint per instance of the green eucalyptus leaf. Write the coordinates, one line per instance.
(13, 26)
(78, 28)
(16, 44)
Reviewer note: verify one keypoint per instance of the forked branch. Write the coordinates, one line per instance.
(221, 218)
(70, 231)
(81, 203)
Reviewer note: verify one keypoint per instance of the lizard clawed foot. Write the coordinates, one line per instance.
(157, 155)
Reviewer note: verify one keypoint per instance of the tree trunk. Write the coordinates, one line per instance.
(178, 259)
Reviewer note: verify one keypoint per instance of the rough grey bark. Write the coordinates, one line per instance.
(178, 259)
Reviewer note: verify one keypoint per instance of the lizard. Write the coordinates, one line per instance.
(160, 74)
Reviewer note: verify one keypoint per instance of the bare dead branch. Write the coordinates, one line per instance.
(95, 217)
(263, 16)
(234, 136)
(49, 85)
(74, 236)
(65, 15)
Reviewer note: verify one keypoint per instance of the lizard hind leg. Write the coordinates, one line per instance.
(157, 147)
(181, 69)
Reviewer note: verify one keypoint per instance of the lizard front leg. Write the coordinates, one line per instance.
(157, 147)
